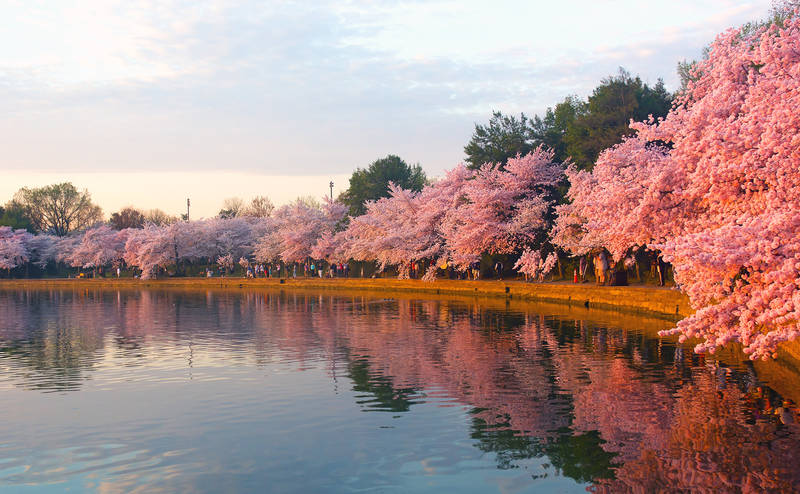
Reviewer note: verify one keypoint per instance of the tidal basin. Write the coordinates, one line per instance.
(161, 390)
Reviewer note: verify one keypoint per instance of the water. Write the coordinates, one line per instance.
(259, 391)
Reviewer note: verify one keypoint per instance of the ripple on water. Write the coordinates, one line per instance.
(232, 391)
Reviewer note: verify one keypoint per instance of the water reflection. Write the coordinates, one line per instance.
(158, 378)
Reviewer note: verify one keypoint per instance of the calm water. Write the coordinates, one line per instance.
(171, 391)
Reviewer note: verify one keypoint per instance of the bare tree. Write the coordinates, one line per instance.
(259, 207)
(59, 208)
(127, 217)
(159, 217)
(231, 208)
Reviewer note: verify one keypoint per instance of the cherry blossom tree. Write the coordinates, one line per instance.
(63, 247)
(232, 236)
(381, 233)
(534, 266)
(225, 262)
(149, 249)
(404, 227)
(99, 247)
(734, 187)
(42, 249)
(502, 209)
(616, 205)
(13, 249)
(300, 225)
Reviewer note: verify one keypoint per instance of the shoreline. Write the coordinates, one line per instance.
(649, 308)
(662, 303)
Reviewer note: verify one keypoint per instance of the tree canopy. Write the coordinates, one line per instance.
(372, 183)
(504, 137)
(59, 208)
(127, 218)
(231, 208)
(604, 119)
(574, 128)
(15, 216)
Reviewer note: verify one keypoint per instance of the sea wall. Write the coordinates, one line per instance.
(655, 301)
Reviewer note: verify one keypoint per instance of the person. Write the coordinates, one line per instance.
(583, 266)
(602, 268)
(498, 268)
(661, 267)
(118, 271)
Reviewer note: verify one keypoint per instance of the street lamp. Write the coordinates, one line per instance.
(331, 184)
(187, 209)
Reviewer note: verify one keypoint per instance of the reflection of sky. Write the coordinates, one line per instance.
(226, 391)
(220, 394)
(310, 87)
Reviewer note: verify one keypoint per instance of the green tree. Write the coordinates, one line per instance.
(59, 208)
(607, 113)
(372, 183)
(551, 129)
(15, 216)
(502, 138)
(127, 218)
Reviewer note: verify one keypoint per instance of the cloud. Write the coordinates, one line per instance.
(310, 87)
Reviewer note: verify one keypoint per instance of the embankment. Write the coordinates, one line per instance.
(653, 301)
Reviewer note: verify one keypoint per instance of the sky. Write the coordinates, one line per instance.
(147, 103)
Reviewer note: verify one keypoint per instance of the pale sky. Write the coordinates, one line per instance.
(145, 103)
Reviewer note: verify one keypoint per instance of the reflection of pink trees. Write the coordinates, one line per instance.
(518, 371)
(632, 416)
(710, 447)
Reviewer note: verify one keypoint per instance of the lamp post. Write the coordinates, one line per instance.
(331, 184)
(187, 209)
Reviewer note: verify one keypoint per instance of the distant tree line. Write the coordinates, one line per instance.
(575, 129)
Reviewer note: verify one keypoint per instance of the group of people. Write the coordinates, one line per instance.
(308, 269)
(337, 270)
(604, 273)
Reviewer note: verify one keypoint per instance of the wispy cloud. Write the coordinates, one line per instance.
(310, 87)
